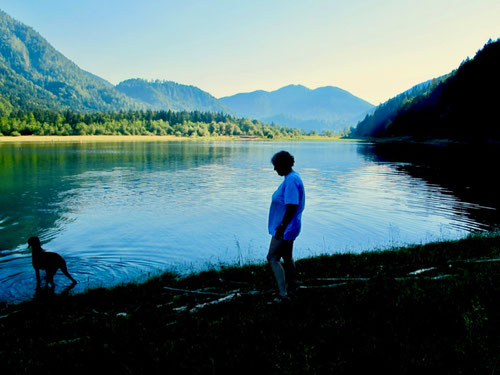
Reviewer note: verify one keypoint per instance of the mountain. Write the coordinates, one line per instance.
(33, 74)
(325, 108)
(161, 95)
(463, 107)
(378, 121)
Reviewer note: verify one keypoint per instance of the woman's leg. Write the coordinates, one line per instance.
(289, 265)
(273, 257)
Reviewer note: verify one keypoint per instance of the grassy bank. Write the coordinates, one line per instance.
(430, 308)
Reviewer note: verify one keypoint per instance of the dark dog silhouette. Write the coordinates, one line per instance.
(50, 262)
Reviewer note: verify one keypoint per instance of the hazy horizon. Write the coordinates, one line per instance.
(372, 49)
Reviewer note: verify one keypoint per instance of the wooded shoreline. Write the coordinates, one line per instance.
(147, 138)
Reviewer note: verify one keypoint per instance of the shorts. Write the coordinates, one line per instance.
(280, 249)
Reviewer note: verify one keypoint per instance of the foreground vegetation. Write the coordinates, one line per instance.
(352, 314)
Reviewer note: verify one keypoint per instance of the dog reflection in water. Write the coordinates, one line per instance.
(50, 262)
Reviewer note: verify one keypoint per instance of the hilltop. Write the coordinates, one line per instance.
(324, 108)
(161, 95)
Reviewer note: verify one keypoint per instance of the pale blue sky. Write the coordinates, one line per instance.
(373, 48)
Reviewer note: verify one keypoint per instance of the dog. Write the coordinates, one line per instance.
(45, 260)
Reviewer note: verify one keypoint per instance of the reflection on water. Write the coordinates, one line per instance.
(466, 172)
(120, 211)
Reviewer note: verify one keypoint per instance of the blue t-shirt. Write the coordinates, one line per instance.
(291, 191)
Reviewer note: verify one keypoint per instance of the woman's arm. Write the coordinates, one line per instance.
(291, 209)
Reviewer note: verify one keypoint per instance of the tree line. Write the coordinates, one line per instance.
(183, 123)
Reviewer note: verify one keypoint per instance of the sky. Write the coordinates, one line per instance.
(374, 49)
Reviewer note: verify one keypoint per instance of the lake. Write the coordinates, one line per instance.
(122, 211)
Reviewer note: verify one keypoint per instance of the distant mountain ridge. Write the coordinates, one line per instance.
(298, 106)
(160, 95)
(35, 75)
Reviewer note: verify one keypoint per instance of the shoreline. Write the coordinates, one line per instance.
(100, 138)
(148, 138)
(437, 142)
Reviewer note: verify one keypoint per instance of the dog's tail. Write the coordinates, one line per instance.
(64, 270)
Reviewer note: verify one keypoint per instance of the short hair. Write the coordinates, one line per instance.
(283, 158)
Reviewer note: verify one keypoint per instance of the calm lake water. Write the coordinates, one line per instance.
(119, 212)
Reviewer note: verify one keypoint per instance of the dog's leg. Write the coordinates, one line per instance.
(64, 270)
(50, 278)
(37, 272)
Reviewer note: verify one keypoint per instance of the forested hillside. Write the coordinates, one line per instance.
(34, 75)
(463, 107)
(377, 122)
(167, 95)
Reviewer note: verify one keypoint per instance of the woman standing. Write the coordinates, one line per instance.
(284, 223)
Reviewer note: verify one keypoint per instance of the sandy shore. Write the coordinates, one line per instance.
(148, 138)
(112, 138)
